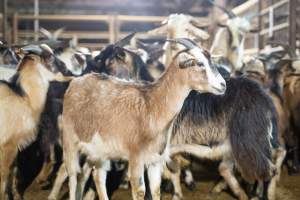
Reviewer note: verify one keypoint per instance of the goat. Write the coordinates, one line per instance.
(8, 56)
(235, 128)
(272, 80)
(291, 92)
(23, 100)
(179, 26)
(269, 106)
(150, 118)
(153, 52)
(116, 61)
(75, 60)
(291, 69)
(228, 45)
(261, 100)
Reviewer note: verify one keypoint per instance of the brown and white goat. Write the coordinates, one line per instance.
(22, 101)
(107, 119)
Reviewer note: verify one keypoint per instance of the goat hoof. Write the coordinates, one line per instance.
(168, 187)
(293, 170)
(243, 196)
(177, 197)
(191, 186)
(216, 190)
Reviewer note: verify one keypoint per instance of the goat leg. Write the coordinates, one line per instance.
(47, 167)
(175, 179)
(226, 171)
(295, 165)
(154, 175)
(61, 176)
(86, 172)
(90, 195)
(8, 153)
(99, 176)
(16, 193)
(136, 177)
(219, 187)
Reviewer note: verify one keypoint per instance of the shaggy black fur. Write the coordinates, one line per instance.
(247, 111)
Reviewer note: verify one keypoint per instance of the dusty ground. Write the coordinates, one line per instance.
(288, 189)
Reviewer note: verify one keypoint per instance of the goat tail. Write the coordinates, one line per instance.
(250, 137)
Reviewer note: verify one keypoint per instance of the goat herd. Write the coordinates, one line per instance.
(149, 105)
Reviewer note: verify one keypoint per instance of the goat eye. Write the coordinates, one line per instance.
(200, 64)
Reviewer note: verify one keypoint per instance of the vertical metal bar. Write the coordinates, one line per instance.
(4, 21)
(260, 37)
(292, 24)
(36, 21)
(15, 28)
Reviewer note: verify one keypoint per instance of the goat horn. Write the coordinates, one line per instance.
(286, 47)
(46, 48)
(46, 33)
(230, 14)
(184, 41)
(126, 40)
(35, 49)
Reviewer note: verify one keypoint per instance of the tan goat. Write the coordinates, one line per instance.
(22, 101)
(106, 119)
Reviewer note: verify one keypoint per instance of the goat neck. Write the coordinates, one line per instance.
(168, 94)
(33, 84)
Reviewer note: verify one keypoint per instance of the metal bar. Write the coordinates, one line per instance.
(36, 21)
(260, 37)
(275, 28)
(293, 24)
(4, 21)
(70, 34)
(15, 28)
(65, 17)
(274, 6)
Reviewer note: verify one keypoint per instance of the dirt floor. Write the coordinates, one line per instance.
(288, 189)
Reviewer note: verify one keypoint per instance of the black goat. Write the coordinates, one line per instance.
(235, 128)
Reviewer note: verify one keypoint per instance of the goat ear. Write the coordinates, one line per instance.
(187, 63)
(126, 40)
(80, 58)
(58, 32)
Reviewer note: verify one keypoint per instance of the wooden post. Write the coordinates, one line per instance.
(112, 28)
(36, 21)
(4, 20)
(117, 28)
(15, 28)
(292, 24)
